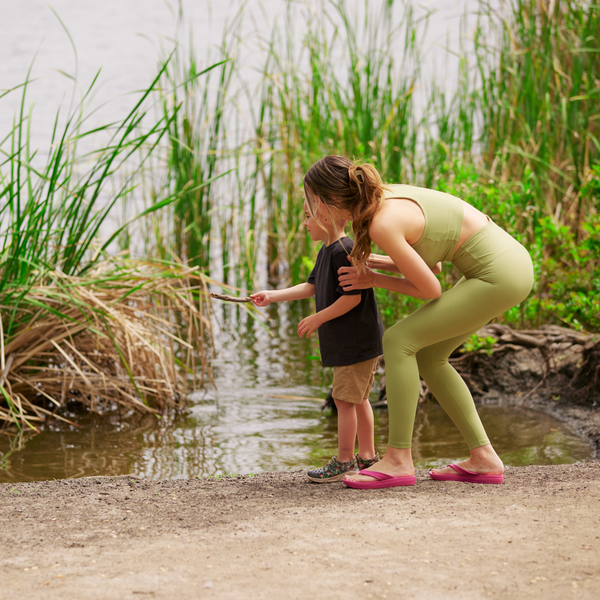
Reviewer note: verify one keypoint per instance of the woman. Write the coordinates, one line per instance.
(419, 228)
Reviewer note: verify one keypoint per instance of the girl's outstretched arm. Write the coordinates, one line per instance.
(298, 292)
(340, 307)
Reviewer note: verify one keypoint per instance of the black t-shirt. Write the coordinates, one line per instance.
(355, 336)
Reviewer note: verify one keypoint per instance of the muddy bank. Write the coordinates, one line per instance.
(276, 535)
(552, 369)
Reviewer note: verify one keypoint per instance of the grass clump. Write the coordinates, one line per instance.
(78, 323)
(518, 138)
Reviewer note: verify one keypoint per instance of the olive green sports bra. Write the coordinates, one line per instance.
(443, 221)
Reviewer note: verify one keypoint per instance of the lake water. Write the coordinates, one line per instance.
(248, 423)
(126, 38)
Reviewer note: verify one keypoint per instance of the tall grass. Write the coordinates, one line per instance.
(78, 323)
(340, 89)
(518, 137)
(541, 129)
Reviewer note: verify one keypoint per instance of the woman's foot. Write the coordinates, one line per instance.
(483, 461)
(396, 462)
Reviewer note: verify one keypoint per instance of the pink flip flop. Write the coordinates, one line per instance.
(382, 480)
(464, 475)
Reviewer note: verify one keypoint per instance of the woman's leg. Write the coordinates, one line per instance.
(454, 397)
(365, 429)
(454, 316)
(450, 389)
(346, 414)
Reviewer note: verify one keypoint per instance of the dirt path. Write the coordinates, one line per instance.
(276, 536)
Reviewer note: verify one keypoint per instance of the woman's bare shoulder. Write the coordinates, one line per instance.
(399, 216)
(388, 216)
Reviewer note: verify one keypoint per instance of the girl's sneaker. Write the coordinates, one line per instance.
(332, 471)
(365, 463)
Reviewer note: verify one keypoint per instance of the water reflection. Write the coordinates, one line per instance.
(241, 427)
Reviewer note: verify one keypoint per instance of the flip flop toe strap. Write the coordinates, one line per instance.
(376, 475)
(462, 471)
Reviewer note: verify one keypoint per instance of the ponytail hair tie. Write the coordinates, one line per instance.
(358, 178)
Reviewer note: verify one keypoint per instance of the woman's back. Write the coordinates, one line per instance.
(434, 223)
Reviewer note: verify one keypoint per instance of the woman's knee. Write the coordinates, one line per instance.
(395, 343)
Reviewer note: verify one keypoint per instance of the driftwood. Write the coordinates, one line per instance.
(227, 298)
(548, 362)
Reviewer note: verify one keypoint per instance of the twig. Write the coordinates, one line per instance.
(226, 298)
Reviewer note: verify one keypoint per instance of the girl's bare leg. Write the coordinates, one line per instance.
(346, 430)
(364, 429)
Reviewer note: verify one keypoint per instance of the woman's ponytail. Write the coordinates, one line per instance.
(370, 188)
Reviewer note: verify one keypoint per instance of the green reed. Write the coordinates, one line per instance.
(340, 90)
(517, 137)
(71, 310)
(196, 127)
(538, 100)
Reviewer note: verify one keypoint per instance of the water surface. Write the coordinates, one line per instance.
(245, 426)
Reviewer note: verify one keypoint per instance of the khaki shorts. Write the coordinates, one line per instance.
(352, 383)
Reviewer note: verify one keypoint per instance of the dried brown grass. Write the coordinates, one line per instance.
(133, 334)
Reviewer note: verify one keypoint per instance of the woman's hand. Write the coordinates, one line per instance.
(351, 279)
(261, 299)
(308, 325)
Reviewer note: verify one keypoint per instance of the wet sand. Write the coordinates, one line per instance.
(277, 535)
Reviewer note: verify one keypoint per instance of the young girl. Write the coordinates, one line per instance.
(350, 333)
(418, 228)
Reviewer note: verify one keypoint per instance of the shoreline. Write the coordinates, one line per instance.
(277, 535)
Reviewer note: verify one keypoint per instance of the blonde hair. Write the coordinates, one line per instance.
(341, 183)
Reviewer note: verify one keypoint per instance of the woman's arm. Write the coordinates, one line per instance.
(418, 281)
(340, 307)
(350, 279)
(380, 262)
(298, 292)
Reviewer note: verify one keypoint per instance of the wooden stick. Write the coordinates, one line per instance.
(226, 298)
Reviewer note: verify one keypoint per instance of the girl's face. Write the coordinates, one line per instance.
(317, 232)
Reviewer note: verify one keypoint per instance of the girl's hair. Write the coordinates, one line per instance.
(341, 183)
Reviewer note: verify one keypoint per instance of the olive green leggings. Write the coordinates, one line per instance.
(498, 274)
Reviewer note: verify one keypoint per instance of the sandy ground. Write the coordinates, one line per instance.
(277, 535)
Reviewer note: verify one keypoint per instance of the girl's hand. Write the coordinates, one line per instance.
(261, 298)
(308, 325)
(350, 279)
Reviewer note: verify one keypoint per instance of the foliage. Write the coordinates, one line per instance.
(77, 322)
(477, 343)
(517, 138)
